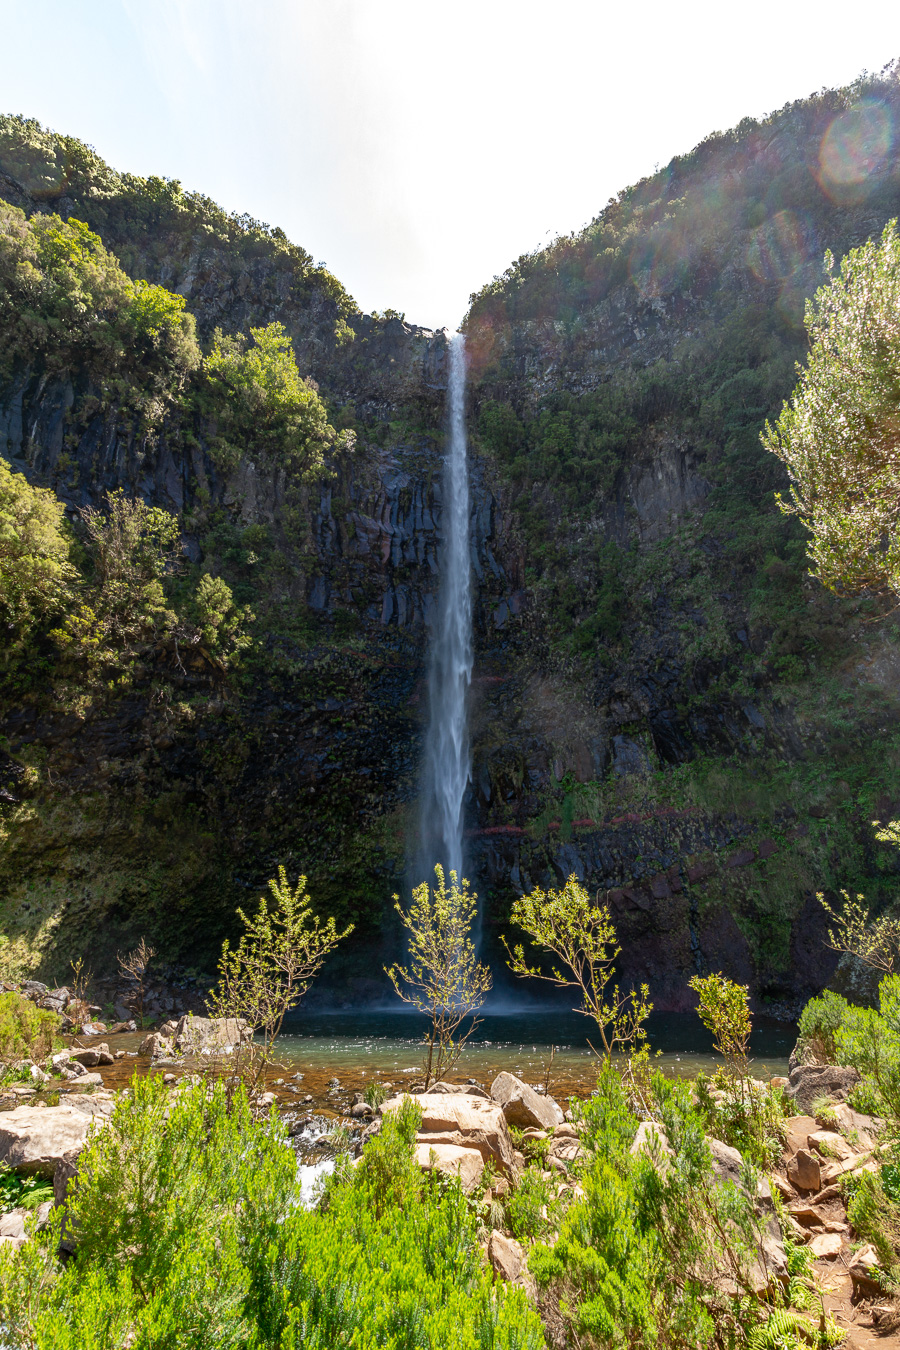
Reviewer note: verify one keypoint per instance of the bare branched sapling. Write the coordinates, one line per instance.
(582, 938)
(444, 979)
(134, 966)
(277, 958)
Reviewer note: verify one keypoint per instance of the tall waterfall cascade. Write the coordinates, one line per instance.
(446, 767)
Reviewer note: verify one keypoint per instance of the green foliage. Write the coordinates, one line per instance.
(526, 1206)
(874, 1214)
(869, 1040)
(644, 1257)
(190, 1233)
(444, 980)
(838, 435)
(279, 954)
(725, 1011)
(581, 937)
(36, 576)
(26, 1031)
(818, 1025)
(66, 303)
(259, 403)
(17, 1192)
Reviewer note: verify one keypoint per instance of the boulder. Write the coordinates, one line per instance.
(454, 1160)
(193, 1034)
(804, 1171)
(809, 1081)
(88, 1055)
(866, 1273)
(34, 1141)
(825, 1246)
(90, 1080)
(522, 1106)
(831, 1145)
(12, 1225)
(651, 1140)
(797, 1130)
(461, 1089)
(505, 1255)
(158, 1047)
(467, 1122)
(563, 1149)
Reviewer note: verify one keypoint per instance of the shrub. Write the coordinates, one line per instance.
(869, 1040)
(36, 577)
(819, 1024)
(190, 1233)
(257, 400)
(26, 1031)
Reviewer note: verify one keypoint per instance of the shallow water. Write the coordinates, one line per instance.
(339, 1052)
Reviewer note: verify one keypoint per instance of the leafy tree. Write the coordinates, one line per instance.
(582, 938)
(273, 965)
(839, 434)
(36, 576)
(258, 401)
(444, 979)
(65, 301)
(875, 942)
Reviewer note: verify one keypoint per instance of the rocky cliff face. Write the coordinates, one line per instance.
(636, 715)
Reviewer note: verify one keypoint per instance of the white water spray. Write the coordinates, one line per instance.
(447, 743)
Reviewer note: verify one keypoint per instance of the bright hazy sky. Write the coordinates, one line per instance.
(417, 148)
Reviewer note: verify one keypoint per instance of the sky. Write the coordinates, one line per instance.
(418, 148)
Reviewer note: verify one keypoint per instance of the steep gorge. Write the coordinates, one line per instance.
(661, 703)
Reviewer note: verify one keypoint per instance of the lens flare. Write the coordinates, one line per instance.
(778, 247)
(658, 263)
(853, 149)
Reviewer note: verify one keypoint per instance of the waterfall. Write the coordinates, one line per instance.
(446, 771)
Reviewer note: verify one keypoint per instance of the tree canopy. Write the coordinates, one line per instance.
(839, 434)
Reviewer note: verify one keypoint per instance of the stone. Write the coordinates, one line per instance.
(37, 1075)
(467, 1122)
(209, 1033)
(506, 1255)
(33, 1142)
(158, 1047)
(12, 1225)
(90, 1080)
(832, 1171)
(264, 1099)
(522, 1106)
(89, 1056)
(361, 1111)
(804, 1171)
(831, 1145)
(564, 1150)
(797, 1130)
(826, 1246)
(452, 1159)
(778, 1082)
(809, 1081)
(807, 1215)
(865, 1272)
(652, 1142)
(565, 1131)
(461, 1089)
(170, 1078)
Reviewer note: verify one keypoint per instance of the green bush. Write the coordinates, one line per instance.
(819, 1024)
(36, 576)
(869, 1040)
(26, 1031)
(190, 1233)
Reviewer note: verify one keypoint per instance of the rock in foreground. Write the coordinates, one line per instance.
(522, 1106)
(33, 1140)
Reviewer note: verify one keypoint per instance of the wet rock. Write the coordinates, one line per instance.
(522, 1106)
(89, 1056)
